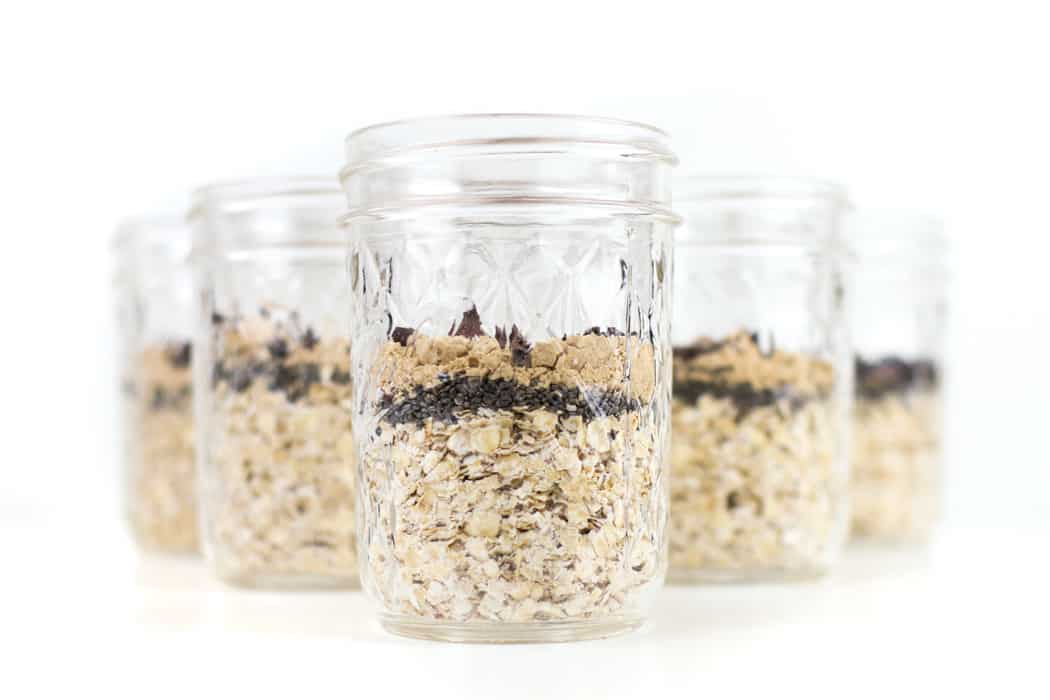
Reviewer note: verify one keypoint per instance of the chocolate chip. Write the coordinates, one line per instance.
(520, 349)
(470, 324)
(608, 332)
(310, 339)
(501, 336)
(217, 318)
(179, 356)
(732, 500)
(401, 334)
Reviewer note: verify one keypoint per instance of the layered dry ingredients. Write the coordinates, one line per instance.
(755, 484)
(896, 448)
(161, 477)
(509, 481)
(280, 483)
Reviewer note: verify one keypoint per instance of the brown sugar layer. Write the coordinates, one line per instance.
(598, 360)
(737, 361)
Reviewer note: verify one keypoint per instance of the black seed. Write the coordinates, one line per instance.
(278, 348)
(217, 318)
(732, 500)
(241, 379)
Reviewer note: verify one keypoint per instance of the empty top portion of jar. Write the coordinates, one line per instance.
(507, 159)
(896, 235)
(267, 212)
(155, 239)
(746, 209)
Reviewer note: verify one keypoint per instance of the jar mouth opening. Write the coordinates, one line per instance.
(728, 187)
(263, 191)
(500, 129)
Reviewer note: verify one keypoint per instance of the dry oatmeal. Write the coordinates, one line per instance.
(280, 488)
(162, 479)
(896, 449)
(756, 487)
(509, 481)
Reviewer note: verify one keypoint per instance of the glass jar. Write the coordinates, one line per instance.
(273, 384)
(760, 401)
(154, 286)
(898, 296)
(510, 284)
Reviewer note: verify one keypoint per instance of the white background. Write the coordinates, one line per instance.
(112, 108)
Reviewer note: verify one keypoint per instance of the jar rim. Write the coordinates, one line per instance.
(699, 187)
(449, 130)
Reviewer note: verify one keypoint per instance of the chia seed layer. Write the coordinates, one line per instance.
(462, 394)
(888, 375)
(745, 397)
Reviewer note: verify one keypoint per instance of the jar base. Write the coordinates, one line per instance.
(288, 582)
(689, 577)
(508, 632)
(890, 539)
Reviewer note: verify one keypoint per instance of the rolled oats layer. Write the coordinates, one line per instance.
(513, 482)
(755, 484)
(162, 479)
(896, 449)
(280, 489)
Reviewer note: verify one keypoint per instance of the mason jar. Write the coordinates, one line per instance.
(154, 294)
(510, 283)
(760, 400)
(273, 384)
(898, 293)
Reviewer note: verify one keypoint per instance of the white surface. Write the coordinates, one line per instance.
(968, 614)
